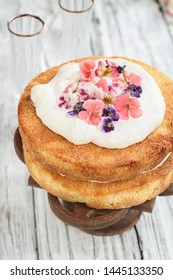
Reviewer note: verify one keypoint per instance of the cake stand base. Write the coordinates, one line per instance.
(93, 221)
(101, 222)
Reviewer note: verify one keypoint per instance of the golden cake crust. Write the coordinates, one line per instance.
(113, 195)
(91, 162)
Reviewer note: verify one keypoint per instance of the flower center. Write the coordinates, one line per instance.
(128, 105)
(108, 99)
(109, 125)
(67, 99)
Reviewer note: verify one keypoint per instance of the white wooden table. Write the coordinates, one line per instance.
(28, 228)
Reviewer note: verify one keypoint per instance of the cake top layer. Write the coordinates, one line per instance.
(90, 161)
(112, 103)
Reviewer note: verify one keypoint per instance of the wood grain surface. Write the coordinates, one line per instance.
(28, 229)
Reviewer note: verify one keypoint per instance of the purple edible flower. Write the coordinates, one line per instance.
(121, 69)
(76, 109)
(134, 90)
(110, 111)
(107, 125)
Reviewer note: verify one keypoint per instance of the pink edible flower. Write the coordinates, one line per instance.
(113, 68)
(64, 103)
(92, 114)
(87, 72)
(127, 106)
(101, 70)
(120, 81)
(88, 90)
(132, 78)
(117, 87)
(71, 88)
(106, 69)
(103, 84)
(69, 98)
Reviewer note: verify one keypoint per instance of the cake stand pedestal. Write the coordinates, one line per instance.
(94, 221)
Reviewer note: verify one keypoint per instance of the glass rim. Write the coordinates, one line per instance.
(76, 12)
(25, 15)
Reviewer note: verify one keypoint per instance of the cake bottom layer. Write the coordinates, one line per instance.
(114, 195)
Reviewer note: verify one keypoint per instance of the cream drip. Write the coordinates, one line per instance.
(77, 131)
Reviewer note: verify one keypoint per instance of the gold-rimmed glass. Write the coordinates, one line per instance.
(76, 18)
(26, 44)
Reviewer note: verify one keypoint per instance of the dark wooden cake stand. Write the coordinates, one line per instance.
(97, 222)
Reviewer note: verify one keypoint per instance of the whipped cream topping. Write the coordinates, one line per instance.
(127, 132)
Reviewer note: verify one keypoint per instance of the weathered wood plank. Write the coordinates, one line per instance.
(167, 17)
(156, 230)
(136, 30)
(17, 234)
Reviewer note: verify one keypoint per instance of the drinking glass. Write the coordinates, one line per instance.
(26, 35)
(76, 28)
